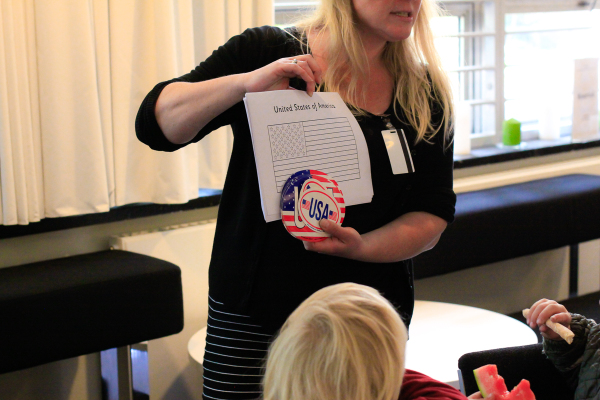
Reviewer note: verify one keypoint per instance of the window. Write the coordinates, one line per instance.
(505, 57)
(290, 10)
(539, 59)
(466, 42)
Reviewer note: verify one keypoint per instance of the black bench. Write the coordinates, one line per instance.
(511, 221)
(63, 308)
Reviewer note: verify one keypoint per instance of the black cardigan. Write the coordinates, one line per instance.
(259, 268)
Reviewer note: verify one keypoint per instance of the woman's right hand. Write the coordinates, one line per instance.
(183, 108)
(544, 309)
(277, 75)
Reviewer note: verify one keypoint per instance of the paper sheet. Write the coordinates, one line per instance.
(292, 131)
(585, 101)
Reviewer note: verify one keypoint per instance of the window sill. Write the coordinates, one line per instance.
(533, 148)
(207, 198)
(211, 198)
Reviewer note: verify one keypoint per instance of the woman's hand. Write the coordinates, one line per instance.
(277, 75)
(544, 309)
(403, 238)
(344, 242)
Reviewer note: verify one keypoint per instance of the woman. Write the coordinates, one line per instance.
(259, 274)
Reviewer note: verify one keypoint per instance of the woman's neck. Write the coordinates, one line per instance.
(317, 42)
(373, 45)
(377, 85)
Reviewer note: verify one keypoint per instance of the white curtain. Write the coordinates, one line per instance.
(21, 180)
(72, 76)
(215, 22)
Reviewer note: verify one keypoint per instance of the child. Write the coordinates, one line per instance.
(579, 361)
(346, 342)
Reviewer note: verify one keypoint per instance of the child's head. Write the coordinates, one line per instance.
(344, 342)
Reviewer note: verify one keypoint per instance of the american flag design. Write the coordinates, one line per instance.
(306, 204)
(318, 197)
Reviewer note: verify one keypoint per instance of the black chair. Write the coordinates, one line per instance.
(514, 364)
(99, 302)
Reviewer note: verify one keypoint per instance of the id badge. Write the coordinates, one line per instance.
(398, 151)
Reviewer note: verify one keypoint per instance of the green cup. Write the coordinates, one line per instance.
(511, 132)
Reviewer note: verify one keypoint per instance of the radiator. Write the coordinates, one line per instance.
(172, 373)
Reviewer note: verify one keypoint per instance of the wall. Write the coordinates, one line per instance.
(172, 373)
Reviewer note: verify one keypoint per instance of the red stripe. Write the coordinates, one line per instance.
(292, 228)
(311, 239)
(316, 172)
(287, 217)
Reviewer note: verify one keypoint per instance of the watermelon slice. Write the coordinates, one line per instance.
(522, 392)
(490, 383)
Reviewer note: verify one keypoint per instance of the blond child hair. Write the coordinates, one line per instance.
(344, 342)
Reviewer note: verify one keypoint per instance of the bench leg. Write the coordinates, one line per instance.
(573, 270)
(117, 382)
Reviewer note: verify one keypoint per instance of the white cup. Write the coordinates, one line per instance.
(462, 128)
(549, 119)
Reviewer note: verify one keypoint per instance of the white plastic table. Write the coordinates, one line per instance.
(196, 345)
(439, 334)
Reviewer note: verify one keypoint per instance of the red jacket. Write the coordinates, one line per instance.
(417, 386)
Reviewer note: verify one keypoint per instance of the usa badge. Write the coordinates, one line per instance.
(307, 197)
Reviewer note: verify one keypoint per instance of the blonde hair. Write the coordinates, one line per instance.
(344, 342)
(414, 63)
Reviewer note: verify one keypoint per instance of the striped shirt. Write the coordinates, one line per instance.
(236, 349)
